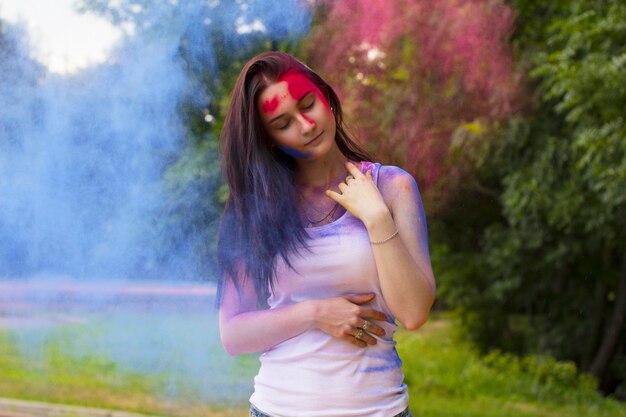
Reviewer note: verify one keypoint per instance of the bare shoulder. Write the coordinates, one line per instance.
(393, 180)
(387, 172)
(392, 183)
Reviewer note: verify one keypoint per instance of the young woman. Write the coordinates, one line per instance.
(321, 250)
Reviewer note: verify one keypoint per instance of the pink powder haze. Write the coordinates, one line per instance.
(411, 72)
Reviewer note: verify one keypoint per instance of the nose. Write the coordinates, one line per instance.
(307, 123)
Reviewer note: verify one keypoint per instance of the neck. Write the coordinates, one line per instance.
(321, 172)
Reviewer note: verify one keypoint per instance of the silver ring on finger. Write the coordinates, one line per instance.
(366, 325)
(349, 177)
(358, 334)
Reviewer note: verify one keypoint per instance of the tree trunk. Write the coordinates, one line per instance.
(609, 342)
(597, 324)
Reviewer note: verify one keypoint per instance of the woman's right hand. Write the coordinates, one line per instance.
(344, 317)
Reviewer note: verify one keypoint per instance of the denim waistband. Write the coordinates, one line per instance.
(256, 413)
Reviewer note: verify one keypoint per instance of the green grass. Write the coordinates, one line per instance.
(446, 377)
(94, 381)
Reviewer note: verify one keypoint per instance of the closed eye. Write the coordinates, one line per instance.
(311, 96)
(307, 107)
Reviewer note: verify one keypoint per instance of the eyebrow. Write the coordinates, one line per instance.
(305, 95)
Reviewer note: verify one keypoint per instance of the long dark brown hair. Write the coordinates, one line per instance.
(260, 220)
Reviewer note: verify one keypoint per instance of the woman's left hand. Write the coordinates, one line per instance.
(359, 195)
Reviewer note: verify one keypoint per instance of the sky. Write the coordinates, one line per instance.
(62, 39)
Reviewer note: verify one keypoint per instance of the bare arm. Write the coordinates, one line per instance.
(403, 263)
(243, 329)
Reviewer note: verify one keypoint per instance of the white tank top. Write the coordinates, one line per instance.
(314, 374)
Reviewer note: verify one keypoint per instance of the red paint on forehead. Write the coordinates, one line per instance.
(299, 84)
(270, 106)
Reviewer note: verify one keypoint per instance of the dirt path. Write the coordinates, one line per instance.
(21, 408)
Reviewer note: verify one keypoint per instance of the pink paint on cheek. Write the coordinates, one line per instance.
(270, 106)
(308, 119)
(299, 85)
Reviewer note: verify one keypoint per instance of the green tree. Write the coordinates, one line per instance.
(535, 256)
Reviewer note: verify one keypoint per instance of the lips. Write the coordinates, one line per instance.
(314, 139)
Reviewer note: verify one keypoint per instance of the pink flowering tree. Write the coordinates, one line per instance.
(413, 74)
